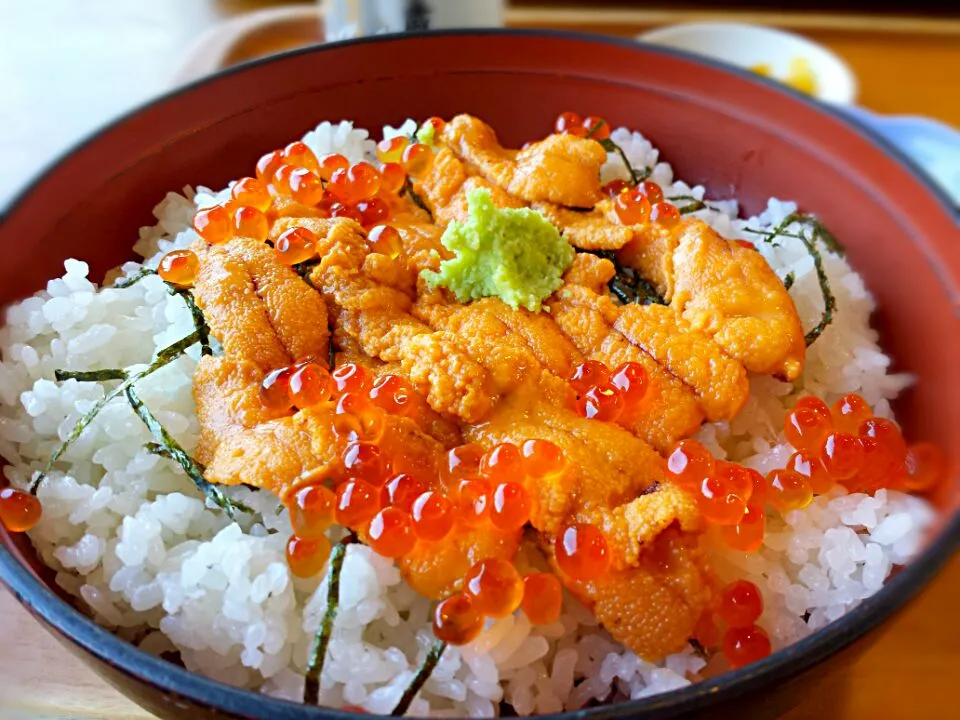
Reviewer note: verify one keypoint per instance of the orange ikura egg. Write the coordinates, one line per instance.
(365, 461)
(349, 212)
(456, 620)
(718, 503)
(391, 533)
(789, 490)
(510, 506)
(357, 419)
(312, 511)
(842, 456)
(299, 155)
(596, 127)
(275, 390)
(352, 378)
(632, 207)
(433, 516)
(810, 466)
(495, 586)
(179, 267)
(633, 383)
(417, 158)
(363, 179)
(357, 502)
(305, 186)
(614, 187)
(582, 552)
(281, 179)
(542, 458)
(542, 598)
(19, 511)
(664, 214)
(588, 374)
(401, 491)
(391, 150)
(214, 224)
(329, 164)
(268, 164)
(373, 211)
(742, 646)
(736, 478)
(747, 535)
(689, 463)
(250, 223)
(741, 604)
(307, 556)
(392, 178)
(394, 395)
(251, 192)
(385, 240)
(473, 502)
(925, 466)
(309, 385)
(502, 463)
(651, 190)
(295, 246)
(601, 402)
(850, 412)
(807, 425)
(566, 121)
(460, 463)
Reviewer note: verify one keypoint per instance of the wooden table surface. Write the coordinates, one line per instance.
(68, 66)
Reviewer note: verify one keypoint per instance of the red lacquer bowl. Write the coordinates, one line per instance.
(738, 134)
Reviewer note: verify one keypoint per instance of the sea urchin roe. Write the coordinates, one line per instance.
(352, 378)
(365, 460)
(514, 254)
(295, 246)
(214, 224)
(542, 598)
(742, 646)
(582, 552)
(542, 458)
(689, 463)
(741, 604)
(746, 535)
(357, 502)
(357, 419)
(789, 490)
(394, 395)
(495, 586)
(179, 267)
(391, 533)
(502, 463)
(432, 516)
(456, 620)
(19, 511)
(510, 506)
(307, 556)
(473, 502)
(312, 510)
(309, 385)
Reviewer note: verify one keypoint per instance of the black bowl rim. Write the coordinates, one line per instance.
(177, 682)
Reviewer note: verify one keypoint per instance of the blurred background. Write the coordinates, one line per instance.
(69, 66)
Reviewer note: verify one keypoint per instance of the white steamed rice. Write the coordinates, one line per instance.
(128, 534)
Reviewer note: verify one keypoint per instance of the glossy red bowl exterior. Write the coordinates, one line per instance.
(738, 134)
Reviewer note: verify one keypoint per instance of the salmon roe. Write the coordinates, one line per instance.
(632, 381)
(810, 466)
(542, 458)
(275, 390)
(373, 211)
(432, 516)
(391, 150)
(741, 604)
(312, 511)
(542, 598)
(307, 556)
(632, 207)
(281, 179)
(365, 460)
(689, 463)
(305, 186)
(566, 121)
(587, 374)
(652, 191)
(924, 466)
(502, 463)
(746, 535)
(19, 511)
(357, 419)
(214, 224)
(456, 620)
(268, 164)
(179, 267)
(295, 246)
(249, 222)
(807, 425)
(596, 127)
(357, 502)
(394, 395)
(742, 646)
(601, 402)
(392, 178)
(251, 192)
(582, 552)
(849, 413)
(718, 503)
(346, 211)
(789, 490)
(417, 158)
(309, 385)
(459, 464)
(352, 378)
(401, 491)
(737, 479)
(473, 504)
(385, 240)
(614, 187)
(664, 214)
(329, 164)
(495, 587)
(298, 154)
(391, 533)
(842, 456)
(884, 452)
(510, 506)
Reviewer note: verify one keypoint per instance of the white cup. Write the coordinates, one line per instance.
(352, 18)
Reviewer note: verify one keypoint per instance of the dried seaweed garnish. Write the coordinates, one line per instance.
(698, 648)
(305, 268)
(650, 489)
(90, 375)
(199, 322)
(318, 652)
(637, 176)
(423, 674)
(164, 357)
(407, 189)
(174, 451)
(693, 204)
(789, 280)
(820, 234)
(134, 279)
(628, 286)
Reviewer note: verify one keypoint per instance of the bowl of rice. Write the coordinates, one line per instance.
(138, 531)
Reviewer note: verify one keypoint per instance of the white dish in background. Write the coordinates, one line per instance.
(750, 45)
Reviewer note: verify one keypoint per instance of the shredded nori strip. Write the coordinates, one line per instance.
(164, 357)
(407, 189)
(698, 648)
(423, 674)
(637, 176)
(789, 280)
(821, 234)
(628, 286)
(318, 652)
(175, 452)
(199, 322)
(90, 375)
(650, 489)
(133, 280)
